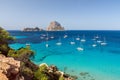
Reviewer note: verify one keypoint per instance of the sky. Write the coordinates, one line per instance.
(72, 14)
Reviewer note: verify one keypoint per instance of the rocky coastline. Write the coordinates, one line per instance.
(16, 65)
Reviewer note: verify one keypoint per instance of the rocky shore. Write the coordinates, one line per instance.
(9, 68)
(16, 64)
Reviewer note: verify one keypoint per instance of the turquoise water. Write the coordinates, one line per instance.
(19, 37)
(101, 62)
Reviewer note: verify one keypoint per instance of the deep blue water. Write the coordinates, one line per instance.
(102, 62)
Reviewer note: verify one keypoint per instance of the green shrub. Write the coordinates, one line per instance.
(4, 38)
(20, 52)
(40, 73)
(61, 78)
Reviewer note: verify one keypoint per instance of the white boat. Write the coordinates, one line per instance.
(59, 42)
(80, 49)
(104, 42)
(94, 45)
(47, 45)
(72, 42)
(94, 38)
(52, 37)
(65, 36)
(27, 44)
(78, 38)
(83, 39)
(99, 41)
(41, 37)
(97, 37)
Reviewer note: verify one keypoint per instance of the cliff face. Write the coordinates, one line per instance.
(9, 68)
(55, 26)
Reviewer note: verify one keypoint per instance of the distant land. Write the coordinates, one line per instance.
(53, 26)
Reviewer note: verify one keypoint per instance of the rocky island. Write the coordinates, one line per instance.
(55, 26)
(33, 29)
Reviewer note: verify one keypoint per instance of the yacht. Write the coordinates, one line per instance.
(104, 42)
(47, 45)
(59, 42)
(80, 48)
(94, 45)
(94, 38)
(72, 42)
(78, 38)
(52, 37)
(99, 41)
(65, 36)
(83, 39)
(27, 44)
(97, 37)
(41, 37)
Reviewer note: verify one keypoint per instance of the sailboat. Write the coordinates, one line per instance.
(104, 42)
(83, 39)
(59, 42)
(99, 41)
(94, 38)
(27, 44)
(94, 45)
(47, 45)
(72, 42)
(65, 35)
(78, 38)
(41, 37)
(52, 37)
(97, 37)
(80, 48)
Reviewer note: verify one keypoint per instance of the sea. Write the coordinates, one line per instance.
(86, 54)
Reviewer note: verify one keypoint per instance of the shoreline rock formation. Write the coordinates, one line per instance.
(55, 26)
(9, 68)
